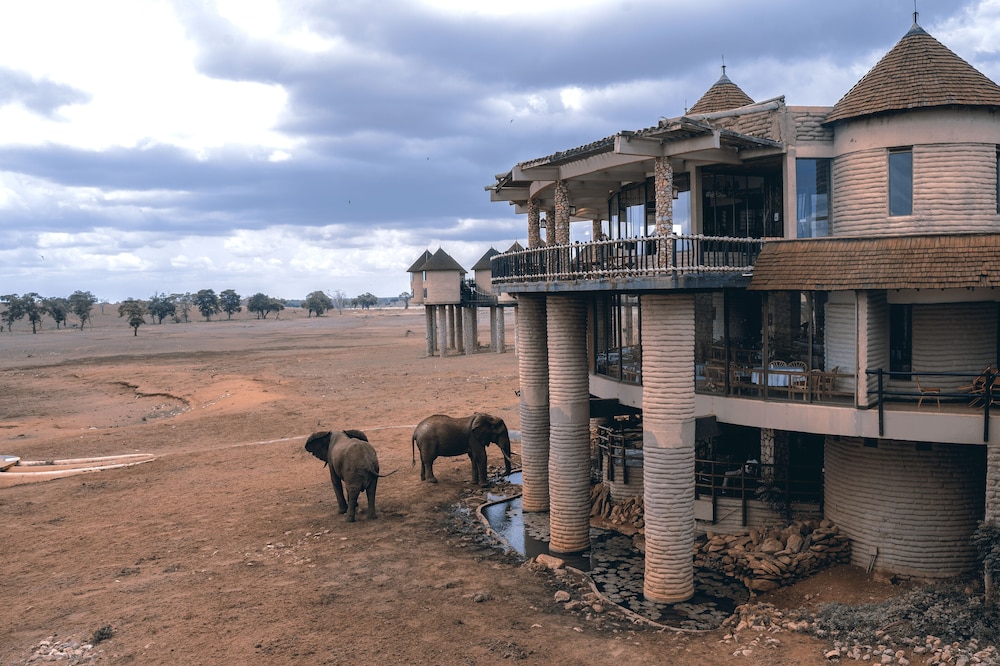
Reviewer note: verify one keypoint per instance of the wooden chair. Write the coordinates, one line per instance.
(800, 382)
(927, 391)
(977, 389)
(826, 383)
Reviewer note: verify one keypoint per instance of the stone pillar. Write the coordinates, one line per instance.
(767, 457)
(562, 214)
(501, 347)
(442, 329)
(533, 376)
(534, 226)
(668, 445)
(569, 425)
(596, 230)
(992, 514)
(459, 329)
(429, 326)
(469, 330)
(663, 173)
(493, 328)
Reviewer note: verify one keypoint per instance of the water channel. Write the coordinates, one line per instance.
(615, 566)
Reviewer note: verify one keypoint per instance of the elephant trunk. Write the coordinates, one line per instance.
(504, 446)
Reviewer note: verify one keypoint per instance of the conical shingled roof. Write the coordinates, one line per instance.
(484, 262)
(418, 265)
(724, 95)
(441, 261)
(919, 72)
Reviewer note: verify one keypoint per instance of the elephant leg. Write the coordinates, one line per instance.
(371, 498)
(338, 490)
(427, 471)
(352, 502)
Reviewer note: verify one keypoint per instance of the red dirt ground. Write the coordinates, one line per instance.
(228, 548)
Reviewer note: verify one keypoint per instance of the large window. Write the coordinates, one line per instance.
(617, 349)
(901, 181)
(741, 205)
(812, 197)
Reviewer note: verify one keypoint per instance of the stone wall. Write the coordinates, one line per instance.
(767, 560)
(808, 125)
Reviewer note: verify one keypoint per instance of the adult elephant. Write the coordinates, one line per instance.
(353, 467)
(441, 435)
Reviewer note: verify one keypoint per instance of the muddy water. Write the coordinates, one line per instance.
(616, 567)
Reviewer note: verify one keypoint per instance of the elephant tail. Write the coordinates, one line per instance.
(413, 451)
(382, 476)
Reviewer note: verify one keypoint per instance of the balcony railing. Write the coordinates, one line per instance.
(649, 256)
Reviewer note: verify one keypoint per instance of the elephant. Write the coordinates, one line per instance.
(441, 435)
(353, 465)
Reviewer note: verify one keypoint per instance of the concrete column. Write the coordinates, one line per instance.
(562, 214)
(501, 341)
(459, 329)
(534, 226)
(668, 445)
(442, 329)
(429, 328)
(569, 425)
(449, 311)
(469, 330)
(533, 376)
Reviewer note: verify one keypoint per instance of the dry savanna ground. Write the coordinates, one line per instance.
(228, 548)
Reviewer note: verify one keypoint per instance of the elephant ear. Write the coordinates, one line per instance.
(318, 444)
(356, 434)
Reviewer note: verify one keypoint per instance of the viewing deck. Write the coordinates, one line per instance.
(651, 262)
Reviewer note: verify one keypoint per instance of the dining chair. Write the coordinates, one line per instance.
(927, 391)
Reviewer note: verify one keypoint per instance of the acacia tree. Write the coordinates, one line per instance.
(229, 301)
(207, 303)
(161, 306)
(366, 300)
(339, 300)
(405, 297)
(81, 303)
(13, 310)
(133, 309)
(31, 304)
(183, 302)
(57, 308)
(263, 305)
(319, 303)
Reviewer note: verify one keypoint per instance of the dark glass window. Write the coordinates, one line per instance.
(901, 181)
(900, 339)
(617, 348)
(812, 197)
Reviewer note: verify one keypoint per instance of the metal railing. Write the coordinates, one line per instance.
(647, 256)
(977, 390)
(767, 483)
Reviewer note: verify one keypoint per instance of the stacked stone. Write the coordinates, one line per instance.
(628, 513)
(765, 561)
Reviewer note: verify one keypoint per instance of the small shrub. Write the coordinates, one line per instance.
(102, 634)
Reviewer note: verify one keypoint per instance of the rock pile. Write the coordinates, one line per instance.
(628, 513)
(767, 560)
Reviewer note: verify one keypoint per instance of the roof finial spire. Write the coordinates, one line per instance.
(915, 13)
(724, 61)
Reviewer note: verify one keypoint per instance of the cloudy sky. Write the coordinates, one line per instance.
(285, 146)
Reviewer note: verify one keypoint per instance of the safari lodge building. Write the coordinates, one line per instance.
(803, 299)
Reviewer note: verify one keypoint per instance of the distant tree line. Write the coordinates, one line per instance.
(177, 307)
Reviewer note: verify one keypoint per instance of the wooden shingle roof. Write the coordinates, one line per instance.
(418, 265)
(888, 262)
(442, 261)
(484, 261)
(724, 95)
(918, 72)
